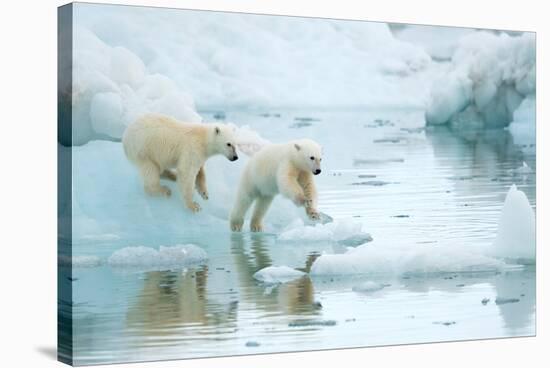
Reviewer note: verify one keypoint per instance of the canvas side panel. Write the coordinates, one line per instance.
(64, 179)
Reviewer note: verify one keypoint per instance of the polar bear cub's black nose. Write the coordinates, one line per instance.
(317, 172)
(235, 158)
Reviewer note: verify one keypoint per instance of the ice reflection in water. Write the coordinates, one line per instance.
(444, 188)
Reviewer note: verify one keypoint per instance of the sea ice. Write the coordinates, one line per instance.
(79, 261)
(342, 231)
(516, 229)
(489, 77)
(163, 258)
(378, 257)
(277, 274)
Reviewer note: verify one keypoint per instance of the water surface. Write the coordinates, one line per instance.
(405, 183)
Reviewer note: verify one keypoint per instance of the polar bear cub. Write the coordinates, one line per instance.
(157, 143)
(286, 168)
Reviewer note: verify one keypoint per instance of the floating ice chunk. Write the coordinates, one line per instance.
(405, 258)
(339, 230)
(248, 140)
(277, 274)
(79, 261)
(368, 287)
(164, 258)
(524, 169)
(516, 228)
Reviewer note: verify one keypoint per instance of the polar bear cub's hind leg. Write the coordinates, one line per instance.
(242, 204)
(200, 184)
(150, 174)
(260, 209)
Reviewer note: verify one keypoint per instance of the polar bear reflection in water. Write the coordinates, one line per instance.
(169, 300)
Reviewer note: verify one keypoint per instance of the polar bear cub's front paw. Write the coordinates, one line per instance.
(194, 207)
(256, 227)
(312, 213)
(204, 194)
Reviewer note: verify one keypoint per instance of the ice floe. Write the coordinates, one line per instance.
(163, 258)
(516, 229)
(277, 274)
(341, 230)
(83, 261)
(489, 77)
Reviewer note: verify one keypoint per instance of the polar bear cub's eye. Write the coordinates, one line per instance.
(312, 158)
(228, 144)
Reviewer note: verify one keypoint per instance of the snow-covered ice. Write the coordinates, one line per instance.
(277, 274)
(341, 230)
(516, 228)
(79, 261)
(398, 259)
(163, 258)
(489, 77)
(368, 287)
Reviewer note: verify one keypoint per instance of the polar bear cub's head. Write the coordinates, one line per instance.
(222, 141)
(307, 155)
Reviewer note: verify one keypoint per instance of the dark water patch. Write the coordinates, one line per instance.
(220, 115)
(500, 301)
(445, 323)
(387, 140)
(306, 119)
(300, 124)
(374, 183)
(363, 161)
(309, 323)
(413, 130)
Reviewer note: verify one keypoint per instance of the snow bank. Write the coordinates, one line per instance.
(79, 261)
(277, 274)
(522, 127)
(108, 198)
(439, 42)
(405, 259)
(489, 77)
(164, 257)
(112, 87)
(516, 237)
(247, 60)
(343, 230)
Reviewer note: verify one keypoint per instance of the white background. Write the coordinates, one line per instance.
(28, 180)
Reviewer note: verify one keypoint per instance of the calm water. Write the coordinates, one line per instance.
(431, 186)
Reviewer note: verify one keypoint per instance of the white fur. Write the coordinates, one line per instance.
(286, 168)
(157, 143)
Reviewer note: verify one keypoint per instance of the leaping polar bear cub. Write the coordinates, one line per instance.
(286, 168)
(156, 143)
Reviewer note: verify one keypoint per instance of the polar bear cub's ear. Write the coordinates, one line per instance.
(217, 130)
(297, 146)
